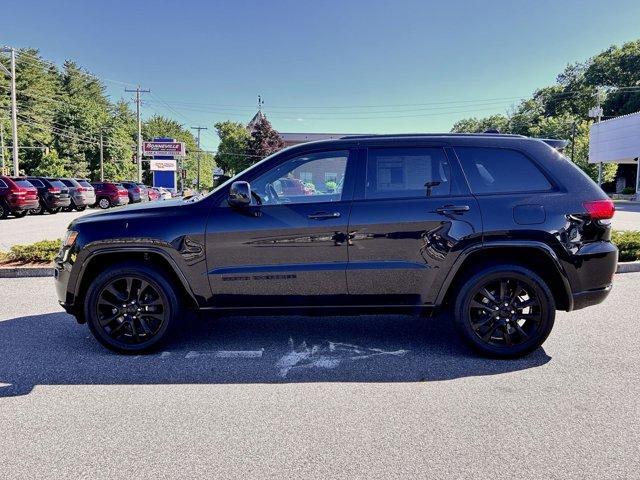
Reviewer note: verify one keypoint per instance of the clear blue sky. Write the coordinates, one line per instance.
(209, 60)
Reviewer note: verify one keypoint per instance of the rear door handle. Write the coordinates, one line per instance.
(323, 215)
(452, 209)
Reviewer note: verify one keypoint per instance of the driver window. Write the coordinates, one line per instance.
(310, 178)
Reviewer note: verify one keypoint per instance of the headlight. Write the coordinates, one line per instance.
(69, 238)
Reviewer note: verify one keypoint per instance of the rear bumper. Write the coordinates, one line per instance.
(23, 205)
(119, 200)
(591, 277)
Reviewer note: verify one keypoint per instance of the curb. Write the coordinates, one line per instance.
(26, 272)
(628, 267)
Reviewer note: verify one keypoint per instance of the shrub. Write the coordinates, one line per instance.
(628, 244)
(40, 252)
(628, 191)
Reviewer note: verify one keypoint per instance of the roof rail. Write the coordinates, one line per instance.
(391, 135)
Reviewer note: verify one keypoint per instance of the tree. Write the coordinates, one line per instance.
(51, 166)
(265, 140)
(233, 150)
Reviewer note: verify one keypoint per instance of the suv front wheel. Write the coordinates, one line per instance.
(131, 308)
(504, 311)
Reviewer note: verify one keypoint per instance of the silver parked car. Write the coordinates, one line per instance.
(81, 193)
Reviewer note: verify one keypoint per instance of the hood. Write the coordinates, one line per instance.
(132, 212)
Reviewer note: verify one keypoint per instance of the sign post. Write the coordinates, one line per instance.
(164, 153)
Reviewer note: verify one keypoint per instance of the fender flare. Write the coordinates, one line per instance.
(133, 249)
(546, 249)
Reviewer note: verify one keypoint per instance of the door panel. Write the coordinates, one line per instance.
(277, 255)
(289, 247)
(402, 247)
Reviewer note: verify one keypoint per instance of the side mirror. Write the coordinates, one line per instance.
(239, 194)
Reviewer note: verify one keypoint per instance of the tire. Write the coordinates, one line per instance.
(104, 203)
(127, 329)
(513, 318)
(21, 214)
(53, 211)
(4, 211)
(70, 208)
(81, 209)
(39, 210)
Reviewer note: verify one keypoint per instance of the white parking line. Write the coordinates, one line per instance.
(227, 354)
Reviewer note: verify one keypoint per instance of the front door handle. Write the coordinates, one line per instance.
(452, 209)
(323, 215)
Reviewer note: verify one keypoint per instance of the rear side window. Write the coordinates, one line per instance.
(2, 184)
(407, 173)
(500, 170)
(68, 183)
(23, 183)
(36, 183)
(57, 183)
(84, 183)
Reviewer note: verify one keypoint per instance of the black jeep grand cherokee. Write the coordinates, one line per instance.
(502, 229)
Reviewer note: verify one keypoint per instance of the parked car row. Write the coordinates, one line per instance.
(20, 196)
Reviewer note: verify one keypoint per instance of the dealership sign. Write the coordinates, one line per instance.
(163, 149)
(163, 165)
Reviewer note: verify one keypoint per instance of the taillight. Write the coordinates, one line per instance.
(600, 209)
(54, 190)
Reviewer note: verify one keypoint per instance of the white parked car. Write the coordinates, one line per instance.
(165, 193)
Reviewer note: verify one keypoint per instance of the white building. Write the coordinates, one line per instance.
(618, 141)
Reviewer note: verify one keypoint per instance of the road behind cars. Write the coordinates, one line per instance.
(356, 397)
(33, 228)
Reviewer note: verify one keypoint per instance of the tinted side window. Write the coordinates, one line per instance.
(310, 178)
(2, 184)
(36, 183)
(407, 173)
(500, 170)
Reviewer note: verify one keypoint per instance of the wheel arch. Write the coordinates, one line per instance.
(155, 257)
(535, 256)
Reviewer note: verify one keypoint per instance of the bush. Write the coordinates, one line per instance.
(40, 252)
(628, 191)
(628, 244)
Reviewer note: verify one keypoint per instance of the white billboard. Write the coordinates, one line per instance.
(616, 140)
(163, 165)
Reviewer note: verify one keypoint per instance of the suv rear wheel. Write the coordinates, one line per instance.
(131, 308)
(104, 203)
(504, 311)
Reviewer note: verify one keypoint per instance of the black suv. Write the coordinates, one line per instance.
(501, 229)
(52, 193)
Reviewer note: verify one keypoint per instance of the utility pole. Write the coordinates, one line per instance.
(573, 142)
(14, 108)
(101, 158)
(138, 91)
(198, 174)
(2, 172)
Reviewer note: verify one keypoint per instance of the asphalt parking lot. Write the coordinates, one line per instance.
(321, 397)
(33, 228)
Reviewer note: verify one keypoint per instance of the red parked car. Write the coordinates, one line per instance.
(109, 194)
(17, 196)
(154, 194)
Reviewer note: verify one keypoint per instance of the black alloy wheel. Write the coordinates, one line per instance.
(131, 308)
(505, 311)
(21, 213)
(39, 210)
(4, 211)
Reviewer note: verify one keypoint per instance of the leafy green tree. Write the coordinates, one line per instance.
(52, 165)
(233, 151)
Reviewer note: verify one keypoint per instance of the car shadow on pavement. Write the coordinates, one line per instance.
(52, 349)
